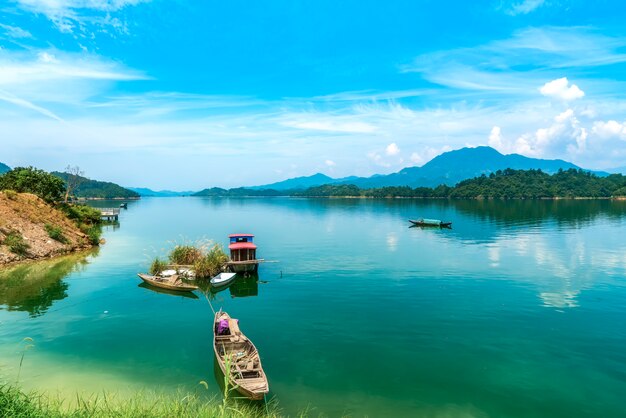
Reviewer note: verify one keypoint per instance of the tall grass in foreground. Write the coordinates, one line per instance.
(19, 404)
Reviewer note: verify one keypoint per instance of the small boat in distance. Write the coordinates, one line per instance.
(170, 283)
(238, 358)
(124, 205)
(223, 279)
(430, 222)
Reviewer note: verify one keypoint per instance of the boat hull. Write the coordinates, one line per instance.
(437, 224)
(217, 281)
(152, 280)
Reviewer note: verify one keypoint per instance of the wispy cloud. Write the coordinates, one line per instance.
(68, 15)
(15, 32)
(518, 64)
(523, 7)
(10, 98)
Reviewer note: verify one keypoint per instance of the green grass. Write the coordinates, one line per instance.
(185, 255)
(19, 404)
(157, 266)
(16, 243)
(211, 263)
(56, 233)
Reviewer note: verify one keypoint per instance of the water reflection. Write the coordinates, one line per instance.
(189, 295)
(245, 286)
(35, 287)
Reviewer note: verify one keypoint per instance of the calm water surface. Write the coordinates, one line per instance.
(518, 311)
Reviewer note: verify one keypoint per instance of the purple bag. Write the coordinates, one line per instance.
(222, 327)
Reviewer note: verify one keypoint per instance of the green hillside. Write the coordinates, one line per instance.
(98, 189)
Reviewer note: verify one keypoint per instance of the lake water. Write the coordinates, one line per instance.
(518, 311)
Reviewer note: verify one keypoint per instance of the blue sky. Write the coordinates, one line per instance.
(190, 94)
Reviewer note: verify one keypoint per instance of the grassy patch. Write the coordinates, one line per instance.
(185, 255)
(16, 403)
(56, 233)
(212, 262)
(16, 243)
(10, 194)
(157, 266)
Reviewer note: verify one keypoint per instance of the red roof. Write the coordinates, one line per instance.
(240, 235)
(242, 246)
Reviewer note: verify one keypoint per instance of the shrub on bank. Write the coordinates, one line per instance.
(56, 233)
(16, 243)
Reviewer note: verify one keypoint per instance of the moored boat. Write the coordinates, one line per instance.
(238, 358)
(430, 222)
(223, 279)
(170, 283)
(242, 253)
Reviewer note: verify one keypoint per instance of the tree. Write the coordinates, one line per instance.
(32, 180)
(73, 179)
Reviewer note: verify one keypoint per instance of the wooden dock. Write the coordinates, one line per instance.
(110, 214)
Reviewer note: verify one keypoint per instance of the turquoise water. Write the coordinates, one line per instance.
(518, 311)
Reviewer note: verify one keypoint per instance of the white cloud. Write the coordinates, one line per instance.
(392, 149)
(15, 32)
(55, 77)
(561, 89)
(524, 7)
(609, 129)
(67, 15)
(330, 163)
(544, 53)
(495, 138)
(565, 137)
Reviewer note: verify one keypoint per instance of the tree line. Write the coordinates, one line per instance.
(503, 184)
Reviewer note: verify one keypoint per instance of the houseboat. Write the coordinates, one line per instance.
(242, 253)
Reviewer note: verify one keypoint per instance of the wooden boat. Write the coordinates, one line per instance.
(238, 358)
(189, 295)
(430, 222)
(170, 283)
(223, 279)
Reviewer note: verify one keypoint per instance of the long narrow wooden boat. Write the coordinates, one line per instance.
(430, 222)
(238, 358)
(170, 283)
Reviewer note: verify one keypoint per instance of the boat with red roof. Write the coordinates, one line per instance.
(243, 253)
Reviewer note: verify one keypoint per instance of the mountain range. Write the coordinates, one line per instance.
(4, 168)
(145, 192)
(448, 168)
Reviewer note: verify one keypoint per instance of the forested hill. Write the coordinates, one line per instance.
(504, 184)
(238, 192)
(93, 189)
(4, 168)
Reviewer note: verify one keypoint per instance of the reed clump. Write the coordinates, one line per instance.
(157, 266)
(212, 262)
(17, 403)
(185, 255)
